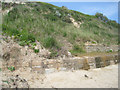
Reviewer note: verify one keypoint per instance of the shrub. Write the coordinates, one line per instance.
(109, 51)
(94, 42)
(50, 42)
(33, 44)
(102, 17)
(64, 34)
(31, 38)
(23, 37)
(28, 42)
(11, 68)
(36, 50)
(14, 14)
(65, 8)
(22, 43)
(77, 49)
(66, 19)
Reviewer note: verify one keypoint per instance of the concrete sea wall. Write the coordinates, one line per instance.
(76, 63)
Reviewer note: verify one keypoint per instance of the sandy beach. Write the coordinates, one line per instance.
(97, 78)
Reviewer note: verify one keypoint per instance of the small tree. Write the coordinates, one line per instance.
(63, 7)
(102, 17)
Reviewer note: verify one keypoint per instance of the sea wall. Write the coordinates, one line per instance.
(76, 63)
(66, 64)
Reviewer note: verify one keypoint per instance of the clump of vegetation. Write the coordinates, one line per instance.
(94, 42)
(22, 43)
(109, 51)
(64, 34)
(102, 17)
(50, 42)
(11, 68)
(36, 50)
(53, 54)
(5, 81)
(77, 49)
(33, 44)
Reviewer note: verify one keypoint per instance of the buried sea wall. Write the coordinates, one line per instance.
(66, 64)
(75, 63)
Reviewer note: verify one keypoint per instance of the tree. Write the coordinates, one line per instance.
(63, 7)
(102, 17)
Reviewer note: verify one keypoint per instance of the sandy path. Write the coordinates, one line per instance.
(98, 78)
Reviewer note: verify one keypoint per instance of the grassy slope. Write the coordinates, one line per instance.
(50, 24)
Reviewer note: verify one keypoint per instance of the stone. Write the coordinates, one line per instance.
(15, 82)
(6, 56)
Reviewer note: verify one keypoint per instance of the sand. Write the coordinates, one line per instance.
(97, 78)
(106, 77)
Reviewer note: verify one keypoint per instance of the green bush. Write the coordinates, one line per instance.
(109, 51)
(77, 49)
(50, 42)
(28, 42)
(22, 43)
(23, 37)
(64, 34)
(93, 42)
(11, 68)
(36, 50)
(31, 38)
(33, 44)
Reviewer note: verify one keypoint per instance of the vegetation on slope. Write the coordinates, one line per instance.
(50, 25)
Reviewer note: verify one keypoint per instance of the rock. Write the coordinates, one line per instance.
(6, 56)
(86, 76)
(15, 82)
(69, 53)
(77, 25)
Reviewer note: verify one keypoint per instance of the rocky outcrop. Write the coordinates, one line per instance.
(76, 24)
